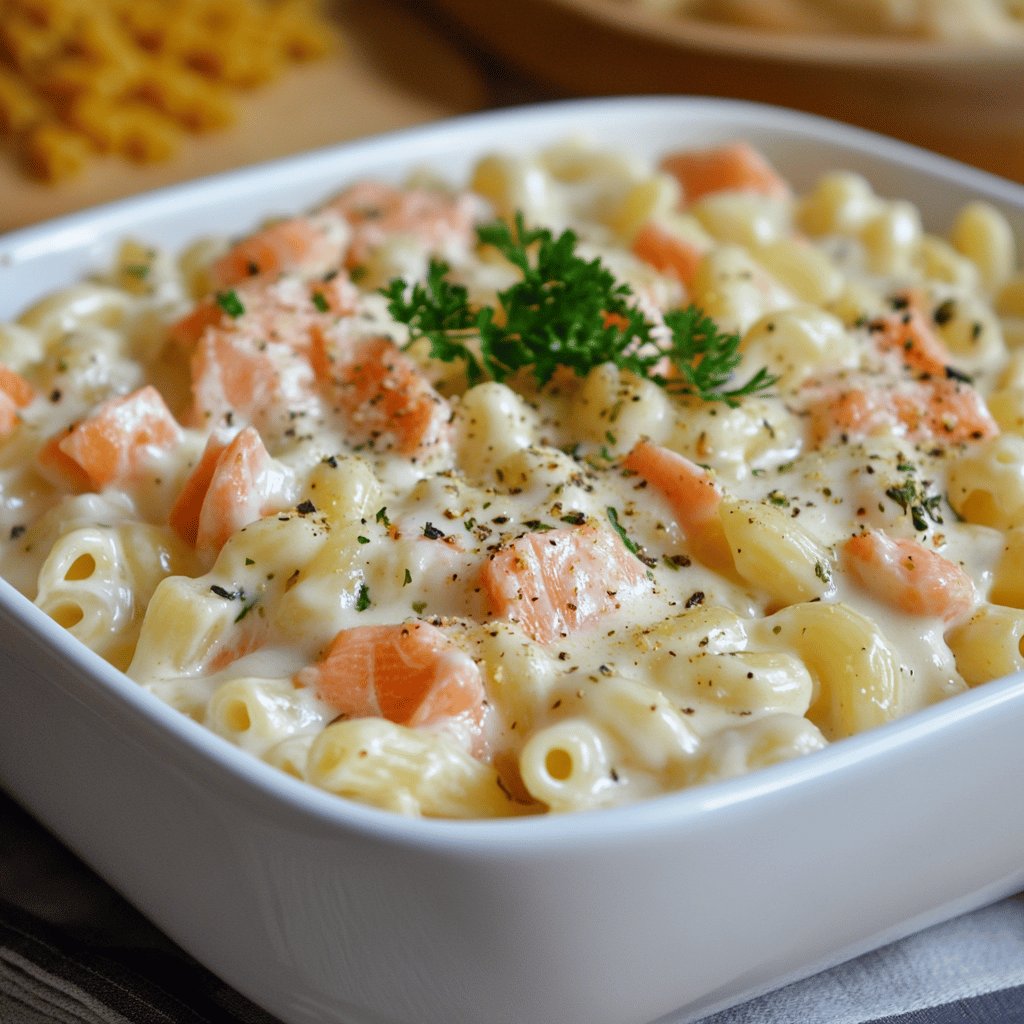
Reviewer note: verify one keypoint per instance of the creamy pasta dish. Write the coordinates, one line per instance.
(995, 21)
(593, 479)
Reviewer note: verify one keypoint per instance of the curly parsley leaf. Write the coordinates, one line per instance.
(565, 311)
(705, 358)
(439, 311)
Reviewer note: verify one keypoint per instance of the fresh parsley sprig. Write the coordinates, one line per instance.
(440, 311)
(565, 311)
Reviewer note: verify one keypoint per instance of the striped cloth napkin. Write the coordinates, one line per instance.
(73, 952)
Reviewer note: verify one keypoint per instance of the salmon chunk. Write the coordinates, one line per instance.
(557, 582)
(377, 211)
(692, 495)
(734, 167)
(312, 245)
(667, 253)
(934, 409)
(908, 333)
(15, 394)
(113, 444)
(386, 400)
(412, 674)
(235, 483)
(906, 575)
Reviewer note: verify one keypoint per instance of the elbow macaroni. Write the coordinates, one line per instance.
(474, 597)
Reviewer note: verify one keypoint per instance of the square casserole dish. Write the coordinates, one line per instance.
(321, 910)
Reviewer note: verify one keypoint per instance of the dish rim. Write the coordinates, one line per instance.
(249, 775)
(841, 50)
(71, 230)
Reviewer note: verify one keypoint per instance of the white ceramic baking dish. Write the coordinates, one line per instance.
(324, 911)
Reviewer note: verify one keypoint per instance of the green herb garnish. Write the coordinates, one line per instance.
(613, 518)
(363, 598)
(912, 497)
(230, 303)
(565, 311)
(320, 301)
(440, 311)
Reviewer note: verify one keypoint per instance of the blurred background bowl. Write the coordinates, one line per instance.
(963, 99)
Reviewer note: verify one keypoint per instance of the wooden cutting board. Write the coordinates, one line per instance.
(393, 69)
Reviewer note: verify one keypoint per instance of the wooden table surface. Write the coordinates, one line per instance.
(396, 66)
(405, 62)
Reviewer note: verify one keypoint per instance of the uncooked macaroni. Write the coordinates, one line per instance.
(81, 77)
(590, 481)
